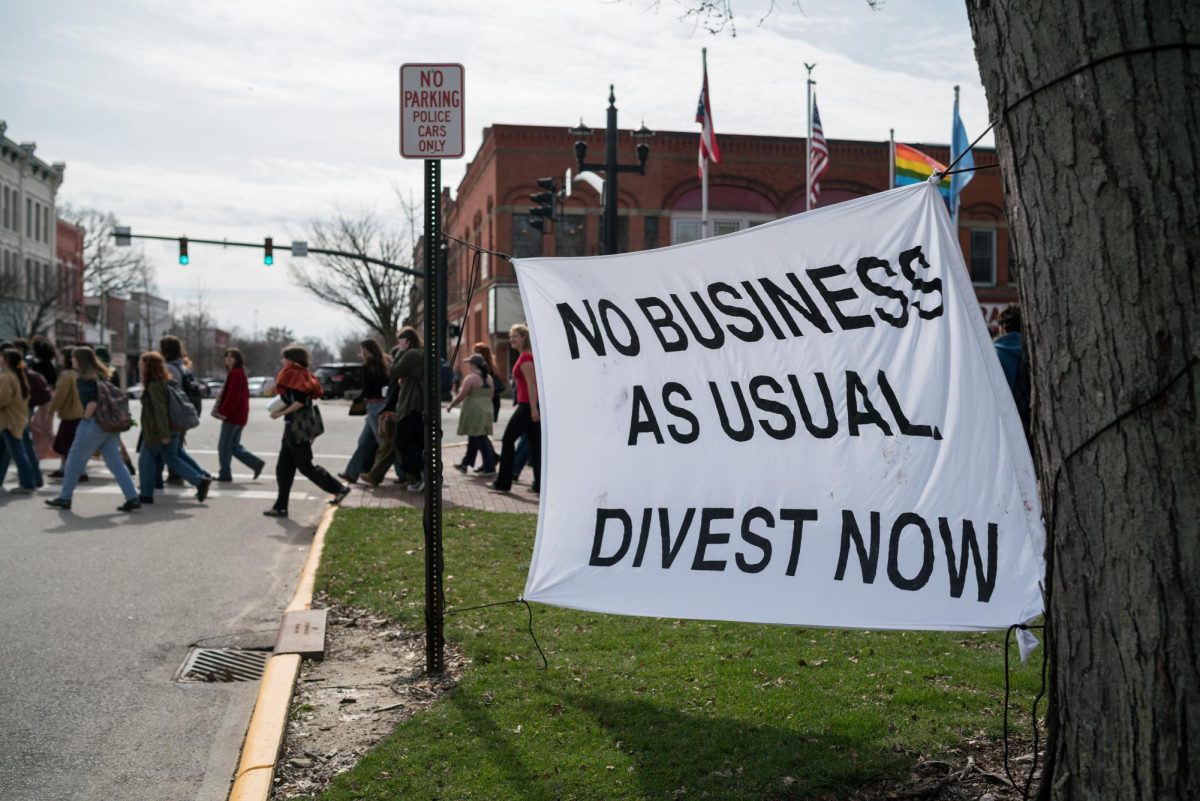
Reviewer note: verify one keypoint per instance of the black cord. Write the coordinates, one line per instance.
(1065, 76)
(1137, 51)
(950, 166)
(476, 248)
(971, 169)
(462, 327)
(1007, 690)
(528, 608)
(532, 636)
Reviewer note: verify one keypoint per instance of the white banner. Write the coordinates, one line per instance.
(802, 423)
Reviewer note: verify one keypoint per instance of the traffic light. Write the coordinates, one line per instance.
(268, 251)
(183, 256)
(545, 200)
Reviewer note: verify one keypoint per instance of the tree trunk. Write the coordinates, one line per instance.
(1100, 176)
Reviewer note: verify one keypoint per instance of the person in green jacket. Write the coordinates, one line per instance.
(157, 436)
(402, 414)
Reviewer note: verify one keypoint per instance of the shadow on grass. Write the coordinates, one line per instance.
(520, 780)
(662, 753)
(677, 754)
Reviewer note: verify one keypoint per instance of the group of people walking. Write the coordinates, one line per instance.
(93, 414)
(393, 401)
(39, 383)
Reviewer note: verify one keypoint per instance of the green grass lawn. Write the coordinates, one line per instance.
(640, 708)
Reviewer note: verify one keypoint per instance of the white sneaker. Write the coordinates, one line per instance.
(416, 486)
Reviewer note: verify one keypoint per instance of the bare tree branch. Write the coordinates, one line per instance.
(374, 295)
(719, 16)
(27, 306)
(108, 269)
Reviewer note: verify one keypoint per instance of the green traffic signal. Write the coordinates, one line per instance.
(268, 252)
(183, 254)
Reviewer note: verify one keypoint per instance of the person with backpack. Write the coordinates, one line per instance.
(298, 389)
(102, 353)
(233, 410)
(104, 409)
(14, 420)
(180, 371)
(160, 439)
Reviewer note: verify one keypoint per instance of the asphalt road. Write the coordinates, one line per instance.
(100, 609)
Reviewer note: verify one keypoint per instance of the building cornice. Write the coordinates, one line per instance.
(24, 152)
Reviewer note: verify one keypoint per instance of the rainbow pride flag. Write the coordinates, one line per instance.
(913, 166)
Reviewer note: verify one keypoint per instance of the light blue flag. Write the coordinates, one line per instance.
(959, 143)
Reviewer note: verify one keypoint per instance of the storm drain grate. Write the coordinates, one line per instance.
(223, 664)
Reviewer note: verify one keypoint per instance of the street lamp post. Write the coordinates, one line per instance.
(612, 169)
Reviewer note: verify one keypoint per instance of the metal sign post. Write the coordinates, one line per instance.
(434, 637)
(432, 128)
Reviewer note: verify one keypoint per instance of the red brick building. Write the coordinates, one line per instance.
(68, 324)
(760, 178)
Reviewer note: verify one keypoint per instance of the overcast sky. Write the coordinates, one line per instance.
(237, 119)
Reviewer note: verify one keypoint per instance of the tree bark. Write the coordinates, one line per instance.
(1103, 202)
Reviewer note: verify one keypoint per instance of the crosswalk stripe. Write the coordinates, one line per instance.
(254, 495)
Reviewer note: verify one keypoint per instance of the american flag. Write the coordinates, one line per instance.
(818, 159)
(709, 150)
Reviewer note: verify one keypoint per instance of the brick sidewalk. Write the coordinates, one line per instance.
(458, 490)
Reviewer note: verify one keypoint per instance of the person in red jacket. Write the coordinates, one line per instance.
(233, 409)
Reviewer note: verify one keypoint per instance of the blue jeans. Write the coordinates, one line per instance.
(183, 455)
(29, 476)
(368, 442)
(90, 438)
(170, 455)
(229, 446)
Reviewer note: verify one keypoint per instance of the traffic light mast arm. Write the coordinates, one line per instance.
(259, 246)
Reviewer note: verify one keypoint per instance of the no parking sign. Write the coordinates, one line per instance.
(431, 111)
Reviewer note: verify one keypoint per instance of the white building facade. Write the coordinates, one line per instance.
(28, 266)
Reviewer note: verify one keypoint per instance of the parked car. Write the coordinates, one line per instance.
(134, 392)
(211, 386)
(341, 379)
(261, 386)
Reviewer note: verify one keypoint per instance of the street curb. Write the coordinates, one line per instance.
(264, 735)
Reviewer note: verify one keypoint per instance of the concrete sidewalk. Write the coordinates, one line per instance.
(458, 490)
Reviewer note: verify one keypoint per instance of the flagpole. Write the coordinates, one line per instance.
(891, 158)
(704, 166)
(808, 144)
(953, 155)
